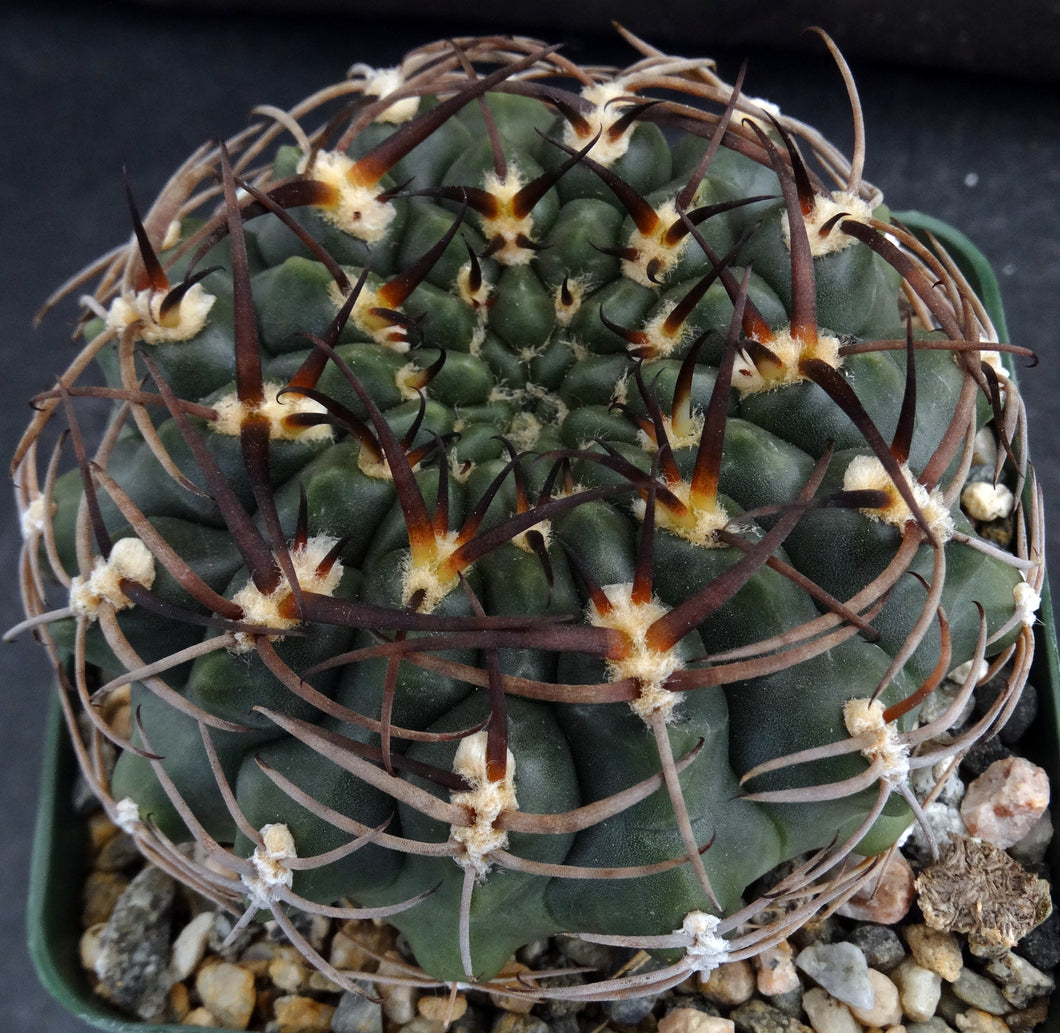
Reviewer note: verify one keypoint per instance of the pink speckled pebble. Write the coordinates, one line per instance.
(1004, 802)
(886, 897)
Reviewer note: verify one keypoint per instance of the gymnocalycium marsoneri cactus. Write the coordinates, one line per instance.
(525, 501)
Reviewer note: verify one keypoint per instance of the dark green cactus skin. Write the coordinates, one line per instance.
(519, 371)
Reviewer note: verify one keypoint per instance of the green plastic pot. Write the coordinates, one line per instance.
(59, 848)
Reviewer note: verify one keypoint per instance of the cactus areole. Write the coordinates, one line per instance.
(522, 499)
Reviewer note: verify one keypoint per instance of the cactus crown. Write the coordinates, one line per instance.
(528, 504)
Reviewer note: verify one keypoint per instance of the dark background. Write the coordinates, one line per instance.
(963, 122)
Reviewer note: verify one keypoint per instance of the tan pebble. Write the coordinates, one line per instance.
(117, 711)
(346, 953)
(376, 937)
(257, 967)
(399, 1001)
(100, 830)
(776, 970)
(265, 1001)
(420, 1024)
(179, 1003)
(936, 950)
(101, 893)
(886, 1008)
(975, 1021)
(826, 1014)
(287, 970)
(692, 1020)
(731, 983)
(886, 897)
(1027, 1018)
(89, 945)
(296, 1014)
(227, 990)
(319, 981)
(319, 930)
(442, 1009)
(199, 1017)
(517, 1004)
(117, 854)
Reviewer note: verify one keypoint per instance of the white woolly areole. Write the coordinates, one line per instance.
(661, 341)
(478, 297)
(506, 225)
(648, 667)
(766, 107)
(143, 309)
(266, 608)
(129, 560)
(687, 437)
(427, 581)
(865, 717)
(707, 950)
(33, 517)
(356, 208)
(369, 315)
(567, 307)
(407, 381)
(653, 250)
(486, 800)
(825, 242)
(1027, 603)
(868, 473)
(231, 413)
(982, 500)
(607, 149)
(381, 82)
(543, 528)
(270, 862)
(127, 815)
(994, 361)
(698, 524)
(750, 379)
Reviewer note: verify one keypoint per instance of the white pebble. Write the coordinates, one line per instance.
(985, 449)
(1004, 803)
(984, 501)
(227, 992)
(692, 1020)
(919, 990)
(190, 946)
(399, 1000)
(886, 1008)
(942, 819)
(826, 1014)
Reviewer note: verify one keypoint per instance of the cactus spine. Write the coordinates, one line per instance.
(529, 504)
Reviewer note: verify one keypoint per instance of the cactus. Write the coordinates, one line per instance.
(525, 502)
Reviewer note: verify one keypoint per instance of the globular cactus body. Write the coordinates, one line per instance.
(529, 506)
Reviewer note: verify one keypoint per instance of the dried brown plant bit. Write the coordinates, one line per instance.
(978, 889)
